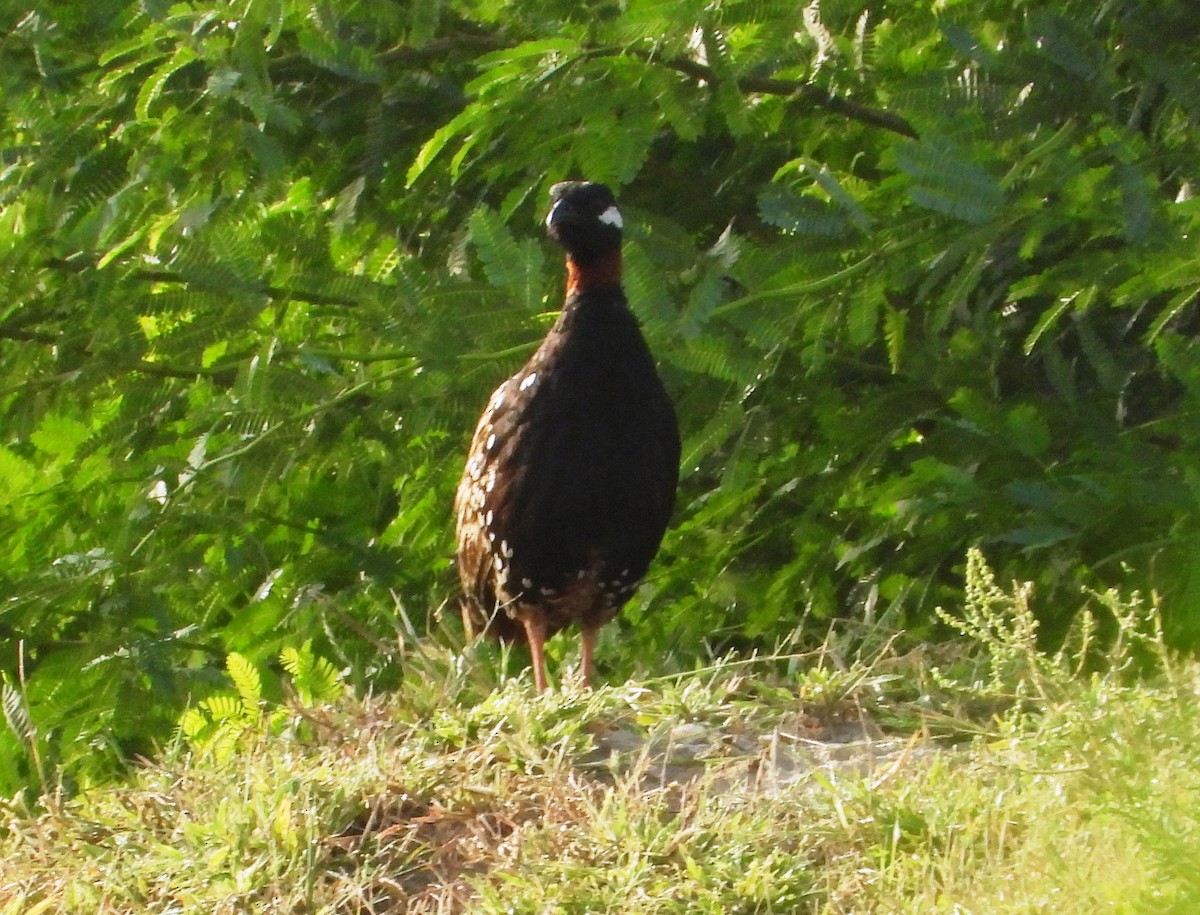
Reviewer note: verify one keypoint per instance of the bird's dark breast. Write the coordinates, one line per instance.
(571, 476)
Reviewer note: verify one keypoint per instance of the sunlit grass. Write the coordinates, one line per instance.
(1010, 781)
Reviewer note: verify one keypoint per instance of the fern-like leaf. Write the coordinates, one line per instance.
(314, 678)
(246, 681)
(945, 180)
(16, 714)
(508, 264)
(153, 87)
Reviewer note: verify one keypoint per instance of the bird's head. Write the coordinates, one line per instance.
(584, 219)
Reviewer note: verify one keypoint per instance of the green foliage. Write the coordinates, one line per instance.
(314, 678)
(221, 722)
(217, 722)
(919, 277)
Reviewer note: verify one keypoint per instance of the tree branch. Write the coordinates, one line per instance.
(27, 336)
(275, 292)
(166, 276)
(807, 92)
(479, 44)
(224, 375)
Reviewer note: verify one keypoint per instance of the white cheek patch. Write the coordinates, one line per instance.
(550, 215)
(612, 217)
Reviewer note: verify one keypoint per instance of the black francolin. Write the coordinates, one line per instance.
(571, 475)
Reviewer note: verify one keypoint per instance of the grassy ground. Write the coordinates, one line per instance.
(984, 778)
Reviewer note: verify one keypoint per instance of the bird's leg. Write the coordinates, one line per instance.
(535, 631)
(587, 641)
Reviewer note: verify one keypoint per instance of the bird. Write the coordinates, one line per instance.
(571, 474)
